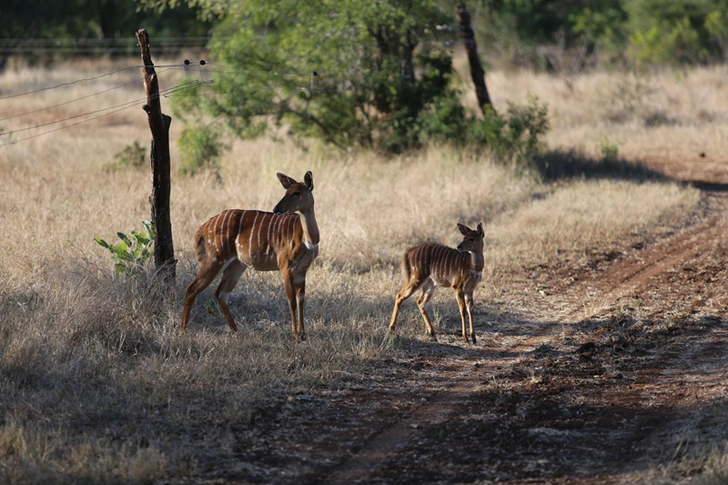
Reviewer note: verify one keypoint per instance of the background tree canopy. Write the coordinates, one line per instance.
(40, 19)
(379, 74)
(375, 74)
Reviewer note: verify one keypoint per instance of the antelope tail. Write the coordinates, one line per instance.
(406, 267)
(200, 249)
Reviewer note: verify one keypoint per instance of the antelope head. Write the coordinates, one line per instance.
(298, 198)
(473, 239)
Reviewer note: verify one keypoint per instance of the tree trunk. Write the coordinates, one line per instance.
(476, 68)
(160, 162)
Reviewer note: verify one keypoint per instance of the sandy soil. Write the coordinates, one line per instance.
(614, 372)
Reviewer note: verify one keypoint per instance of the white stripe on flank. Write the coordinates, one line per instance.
(274, 242)
(216, 231)
(425, 258)
(445, 264)
(432, 260)
(225, 233)
(215, 223)
(250, 241)
(238, 245)
(260, 229)
(448, 265)
(270, 237)
(273, 239)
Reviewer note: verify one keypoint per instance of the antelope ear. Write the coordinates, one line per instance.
(464, 230)
(481, 233)
(308, 178)
(286, 181)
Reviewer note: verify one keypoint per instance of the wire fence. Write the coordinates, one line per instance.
(120, 46)
(194, 74)
(9, 133)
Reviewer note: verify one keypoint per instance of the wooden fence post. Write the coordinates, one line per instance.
(476, 68)
(160, 161)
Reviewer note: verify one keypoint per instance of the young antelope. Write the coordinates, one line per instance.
(428, 266)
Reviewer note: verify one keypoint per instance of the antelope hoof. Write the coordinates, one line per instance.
(474, 340)
(301, 337)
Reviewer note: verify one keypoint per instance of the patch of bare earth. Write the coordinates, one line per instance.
(612, 373)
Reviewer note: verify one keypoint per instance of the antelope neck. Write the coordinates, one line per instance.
(310, 227)
(477, 262)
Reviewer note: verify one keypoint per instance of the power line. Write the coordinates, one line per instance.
(71, 101)
(67, 84)
(184, 65)
(169, 66)
(120, 107)
(121, 45)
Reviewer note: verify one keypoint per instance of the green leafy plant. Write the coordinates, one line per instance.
(516, 135)
(609, 150)
(133, 251)
(199, 148)
(131, 156)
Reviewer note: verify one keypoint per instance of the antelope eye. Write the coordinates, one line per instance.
(297, 193)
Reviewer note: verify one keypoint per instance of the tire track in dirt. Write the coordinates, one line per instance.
(625, 276)
(660, 258)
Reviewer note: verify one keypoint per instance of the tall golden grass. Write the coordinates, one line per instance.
(96, 383)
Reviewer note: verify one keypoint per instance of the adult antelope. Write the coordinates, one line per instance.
(285, 240)
(428, 266)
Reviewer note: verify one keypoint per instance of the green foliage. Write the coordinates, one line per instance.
(677, 32)
(133, 251)
(716, 24)
(131, 156)
(517, 30)
(514, 136)
(524, 126)
(94, 19)
(199, 148)
(346, 72)
(609, 150)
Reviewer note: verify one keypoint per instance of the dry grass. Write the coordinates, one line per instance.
(96, 384)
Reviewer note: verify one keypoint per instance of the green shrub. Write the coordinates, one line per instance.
(514, 136)
(131, 156)
(199, 148)
(133, 251)
(609, 150)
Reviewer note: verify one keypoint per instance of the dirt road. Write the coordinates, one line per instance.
(611, 373)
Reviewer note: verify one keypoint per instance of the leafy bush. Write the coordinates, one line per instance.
(514, 136)
(609, 150)
(353, 74)
(133, 251)
(199, 148)
(131, 156)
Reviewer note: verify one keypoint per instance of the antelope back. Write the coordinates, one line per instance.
(254, 237)
(441, 263)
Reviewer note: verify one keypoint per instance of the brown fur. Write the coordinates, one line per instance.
(428, 266)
